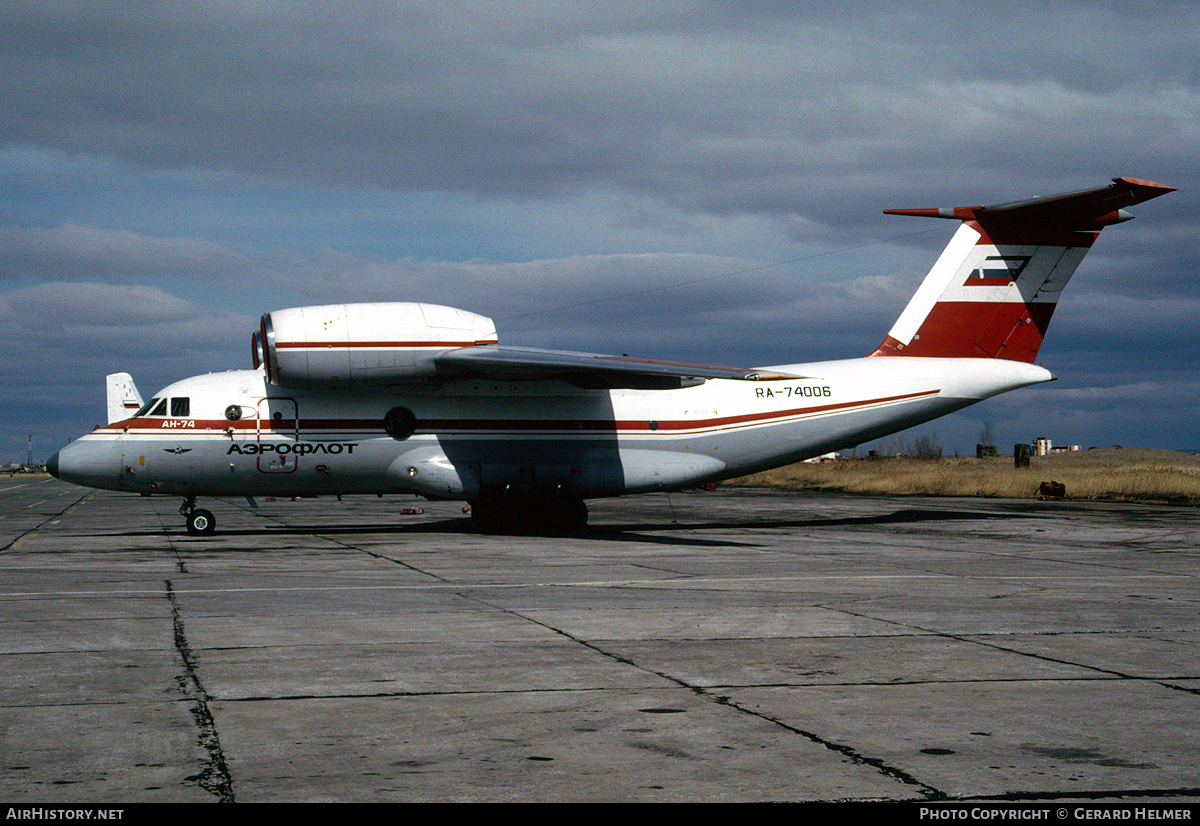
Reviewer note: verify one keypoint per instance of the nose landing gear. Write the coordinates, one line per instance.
(199, 521)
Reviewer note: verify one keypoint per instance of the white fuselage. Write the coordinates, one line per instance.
(476, 438)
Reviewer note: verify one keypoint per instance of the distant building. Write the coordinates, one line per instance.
(17, 467)
(1043, 447)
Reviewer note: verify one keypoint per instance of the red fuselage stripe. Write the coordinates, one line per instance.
(289, 427)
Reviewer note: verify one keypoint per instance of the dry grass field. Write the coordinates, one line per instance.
(1114, 473)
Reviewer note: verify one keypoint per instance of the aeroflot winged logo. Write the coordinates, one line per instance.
(177, 450)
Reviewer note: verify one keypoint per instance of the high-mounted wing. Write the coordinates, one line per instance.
(587, 370)
(345, 346)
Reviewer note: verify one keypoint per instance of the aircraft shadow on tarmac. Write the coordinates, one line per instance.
(618, 532)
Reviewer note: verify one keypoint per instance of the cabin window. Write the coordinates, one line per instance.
(159, 409)
(181, 406)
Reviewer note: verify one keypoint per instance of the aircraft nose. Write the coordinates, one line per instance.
(86, 462)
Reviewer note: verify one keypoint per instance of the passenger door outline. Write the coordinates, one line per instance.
(278, 416)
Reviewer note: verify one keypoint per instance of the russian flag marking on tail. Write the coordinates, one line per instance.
(994, 288)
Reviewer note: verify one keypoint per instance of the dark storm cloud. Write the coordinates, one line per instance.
(562, 302)
(61, 338)
(77, 251)
(794, 109)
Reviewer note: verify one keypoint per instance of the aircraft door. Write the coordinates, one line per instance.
(278, 430)
(130, 464)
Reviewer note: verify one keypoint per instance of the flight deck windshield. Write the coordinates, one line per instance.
(180, 406)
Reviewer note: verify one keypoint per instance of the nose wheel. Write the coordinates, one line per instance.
(199, 521)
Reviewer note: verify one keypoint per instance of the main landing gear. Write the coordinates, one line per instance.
(199, 521)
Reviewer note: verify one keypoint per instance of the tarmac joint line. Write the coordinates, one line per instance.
(926, 792)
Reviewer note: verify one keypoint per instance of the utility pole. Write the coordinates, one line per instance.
(31, 449)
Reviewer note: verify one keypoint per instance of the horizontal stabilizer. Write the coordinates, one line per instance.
(1089, 209)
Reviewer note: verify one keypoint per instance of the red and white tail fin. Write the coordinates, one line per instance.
(994, 288)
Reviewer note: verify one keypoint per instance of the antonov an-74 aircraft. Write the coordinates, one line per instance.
(419, 398)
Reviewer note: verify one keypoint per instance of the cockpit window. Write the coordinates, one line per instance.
(180, 406)
(155, 404)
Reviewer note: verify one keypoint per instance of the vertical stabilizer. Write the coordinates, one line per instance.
(993, 290)
(123, 397)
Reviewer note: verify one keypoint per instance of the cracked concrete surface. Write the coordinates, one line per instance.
(736, 645)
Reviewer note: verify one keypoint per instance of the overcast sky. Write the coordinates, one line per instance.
(682, 180)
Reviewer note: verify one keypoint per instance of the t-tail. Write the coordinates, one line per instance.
(994, 288)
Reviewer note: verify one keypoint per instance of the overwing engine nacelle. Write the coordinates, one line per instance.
(336, 346)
